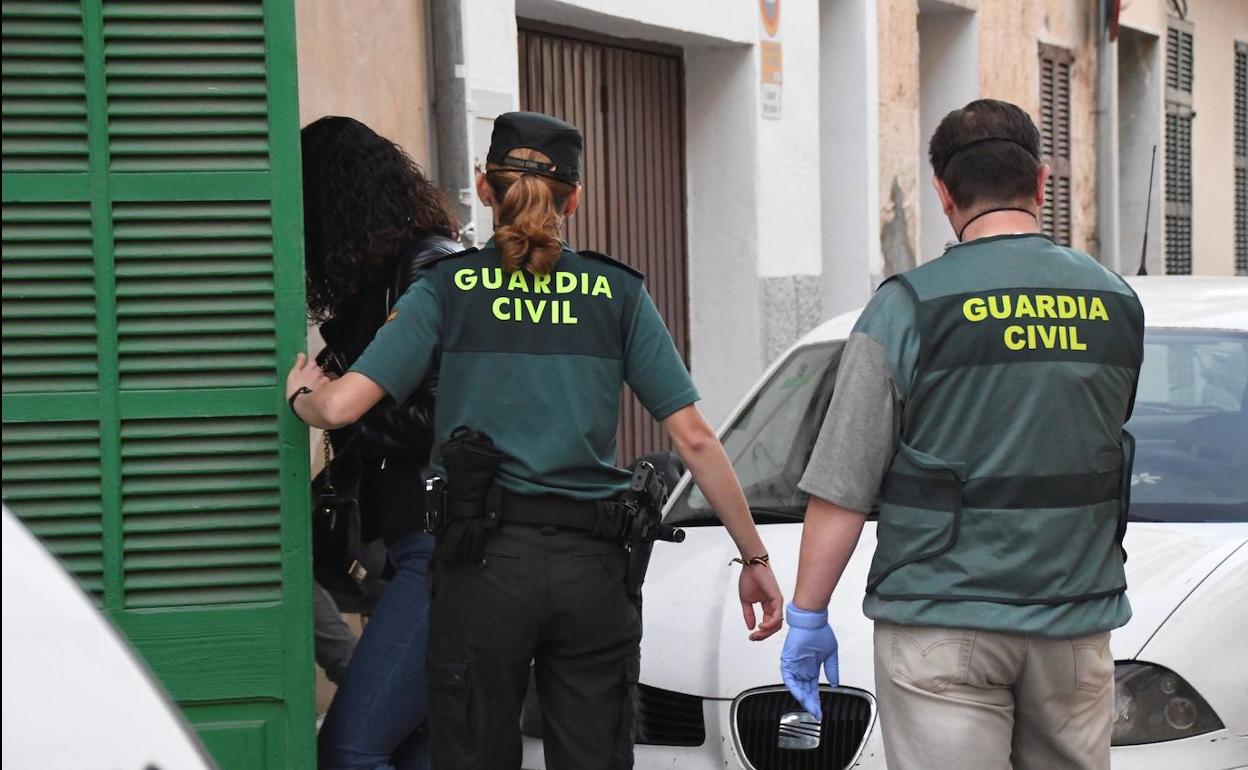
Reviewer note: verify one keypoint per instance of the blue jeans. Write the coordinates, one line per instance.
(377, 720)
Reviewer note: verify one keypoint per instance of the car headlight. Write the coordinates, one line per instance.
(1153, 704)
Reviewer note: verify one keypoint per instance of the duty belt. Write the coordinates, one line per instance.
(605, 519)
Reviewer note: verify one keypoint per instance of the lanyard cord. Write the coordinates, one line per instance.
(993, 211)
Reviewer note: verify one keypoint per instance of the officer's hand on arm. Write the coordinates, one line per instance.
(323, 403)
(829, 537)
(699, 447)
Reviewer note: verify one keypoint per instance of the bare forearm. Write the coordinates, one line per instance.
(699, 448)
(829, 537)
(334, 404)
(319, 409)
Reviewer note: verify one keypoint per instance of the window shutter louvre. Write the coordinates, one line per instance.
(1180, 53)
(152, 297)
(45, 93)
(1180, 57)
(194, 294)
(1055, 104)
(186, 85)
(63, 457)
(225, 546)
(49, 298)
(1241, 158)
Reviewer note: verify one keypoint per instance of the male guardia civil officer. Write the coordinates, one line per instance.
(980, 402)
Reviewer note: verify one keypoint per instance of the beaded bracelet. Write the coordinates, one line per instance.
(764, 560)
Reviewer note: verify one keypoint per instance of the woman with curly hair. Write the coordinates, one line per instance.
(371, 220)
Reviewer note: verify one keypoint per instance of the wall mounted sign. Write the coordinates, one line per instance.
(771, 59)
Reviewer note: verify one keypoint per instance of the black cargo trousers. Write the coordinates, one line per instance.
(543, 596)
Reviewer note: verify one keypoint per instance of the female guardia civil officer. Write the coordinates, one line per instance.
(533, 342)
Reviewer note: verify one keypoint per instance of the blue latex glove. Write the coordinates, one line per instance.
(809, 645)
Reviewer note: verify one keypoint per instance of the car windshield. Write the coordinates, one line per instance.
(1190, 424)
(1191, 428)
(771, 440)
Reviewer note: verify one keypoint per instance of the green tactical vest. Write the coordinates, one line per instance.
(1012, 477)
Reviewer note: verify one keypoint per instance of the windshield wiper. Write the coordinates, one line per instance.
(786, 515)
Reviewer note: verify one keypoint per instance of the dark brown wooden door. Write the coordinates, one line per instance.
(629, 103)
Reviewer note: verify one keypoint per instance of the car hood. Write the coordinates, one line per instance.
(1165, 564)
(696, 640)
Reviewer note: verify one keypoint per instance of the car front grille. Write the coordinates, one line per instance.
(847, 717)
(665, 718)
(660, 718)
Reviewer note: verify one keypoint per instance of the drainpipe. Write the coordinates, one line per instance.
(1108, 225)
(450, 110)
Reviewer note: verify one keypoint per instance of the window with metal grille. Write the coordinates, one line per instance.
(1180, 57)
(1241, 158)
(1055, 65)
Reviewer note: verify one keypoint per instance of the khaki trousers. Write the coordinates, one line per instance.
(953, 698)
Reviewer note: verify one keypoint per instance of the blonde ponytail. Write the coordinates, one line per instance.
(529, 216)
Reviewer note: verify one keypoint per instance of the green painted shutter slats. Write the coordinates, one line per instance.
(52, 475)
(211, 112)
(195, 294)
(152, 295)
(48, 298)
(44, 92)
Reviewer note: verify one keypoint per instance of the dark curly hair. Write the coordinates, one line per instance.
(364, 201)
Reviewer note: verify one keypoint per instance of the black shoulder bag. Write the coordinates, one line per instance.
(342, 563)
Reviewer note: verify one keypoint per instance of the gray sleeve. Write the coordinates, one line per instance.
(860, 433)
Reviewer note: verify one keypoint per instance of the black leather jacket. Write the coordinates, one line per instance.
(393, 441)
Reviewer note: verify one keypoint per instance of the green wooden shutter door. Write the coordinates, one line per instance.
(152, 298)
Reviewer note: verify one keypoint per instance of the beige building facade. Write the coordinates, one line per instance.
(1200, 208)
(937, 55)
(368, 60)
(862, 86)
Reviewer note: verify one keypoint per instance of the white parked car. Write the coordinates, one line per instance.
(75, 695)
(710, 698)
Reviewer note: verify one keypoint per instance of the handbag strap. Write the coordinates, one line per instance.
(328, 449)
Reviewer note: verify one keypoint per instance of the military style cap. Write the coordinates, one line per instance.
(559, 141)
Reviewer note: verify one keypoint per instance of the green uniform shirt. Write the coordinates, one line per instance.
(860, 436)
(535, 362)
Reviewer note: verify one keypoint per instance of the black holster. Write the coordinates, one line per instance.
(644, 502)
(466, 517)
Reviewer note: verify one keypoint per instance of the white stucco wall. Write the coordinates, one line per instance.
(725, 316)
(849, 147)
(948, 80)
(492, 67)
(788, 154)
